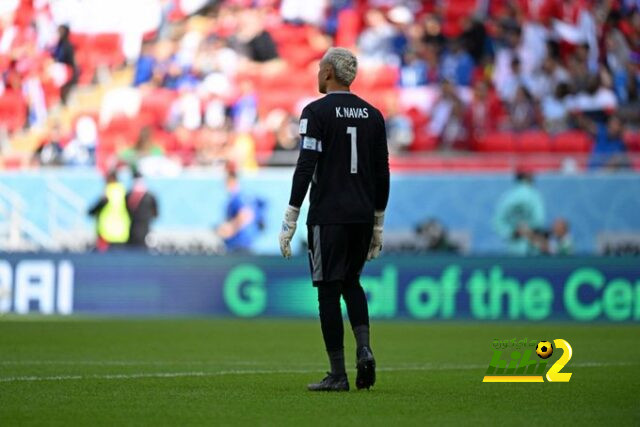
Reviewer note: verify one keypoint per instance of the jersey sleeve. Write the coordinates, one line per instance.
(310, 149)
(381, 162)
(310, 134)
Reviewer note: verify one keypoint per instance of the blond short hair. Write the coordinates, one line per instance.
(344, 63)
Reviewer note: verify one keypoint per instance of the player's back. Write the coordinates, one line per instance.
(350, 135)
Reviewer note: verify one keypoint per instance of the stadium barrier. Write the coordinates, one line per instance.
(579, 289)
(595, 205)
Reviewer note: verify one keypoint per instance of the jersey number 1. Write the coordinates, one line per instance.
(353, 131)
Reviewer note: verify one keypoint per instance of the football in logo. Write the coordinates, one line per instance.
(544, 349)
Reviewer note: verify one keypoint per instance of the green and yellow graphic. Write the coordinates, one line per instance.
(523, 367)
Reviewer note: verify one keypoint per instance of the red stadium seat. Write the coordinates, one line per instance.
(107, 49)
(574, 141)
(379, 98)
(84, 57)
(165, 139)
(79, 40)
(423, 142)
(385, 77)
(287, 33)
(532, 142)
(632, 141)
(348, 28)
(128, 127)
(498, 142)
(11, 162)
(177, 13)
(51, 93)
(156, 104)
(13, 111)
(454, 11)
(265, 142)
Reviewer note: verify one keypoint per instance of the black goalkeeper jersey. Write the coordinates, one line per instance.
(344, 155)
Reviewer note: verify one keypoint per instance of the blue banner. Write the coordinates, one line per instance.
(410, 287)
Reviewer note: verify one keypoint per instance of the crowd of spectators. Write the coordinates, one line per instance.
(228, 83)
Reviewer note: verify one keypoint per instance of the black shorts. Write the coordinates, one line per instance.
(337, 252)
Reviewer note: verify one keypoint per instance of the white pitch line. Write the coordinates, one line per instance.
(273, 371)
(126, 362)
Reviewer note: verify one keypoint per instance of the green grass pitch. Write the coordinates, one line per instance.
(79, 371)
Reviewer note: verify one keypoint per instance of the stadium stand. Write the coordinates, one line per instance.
(209, 79)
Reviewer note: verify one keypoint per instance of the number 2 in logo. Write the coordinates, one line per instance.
(554, 374)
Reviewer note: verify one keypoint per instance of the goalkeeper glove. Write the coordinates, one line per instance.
(288, 229)
(376, 239)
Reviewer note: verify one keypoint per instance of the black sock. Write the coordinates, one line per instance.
(336, 358)
(331, 324)
(358, 311)
(362, 336)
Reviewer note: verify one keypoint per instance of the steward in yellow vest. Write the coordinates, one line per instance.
(112, 217)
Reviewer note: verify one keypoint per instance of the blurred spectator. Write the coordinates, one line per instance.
(519, 213)
(242, 219)
(64, 53)
(399, 128)
(81, 150)
(144, 65)
(376, 41)
(474, 39)
(185, 111)
(230, 61)
(524, 115)
(555, 113)
(560, 242)
(216, 56)
(143, 208)
(434, 237)
(609, 151)
(538, 241)
(116, 103)
(256, 42)
(308, 11)
(402, 18)
(212, 144)
(508, 63)
(149, 157)
(578, 69)
(414, 71)
(485, 111)
(286, 131)
(49, 153)
(242, 151)
(112, 217)
(509, 84)
(457, 64)
(432, 60)
(597, 97)
(433, 32)
(543, 81)
(244, 112)
(617, 57)
(144, 147)
(34, 96)
(447, 120)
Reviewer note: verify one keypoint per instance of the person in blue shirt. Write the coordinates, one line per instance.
(145, 65)
(457, 64)
(241, 226)
(608, 149)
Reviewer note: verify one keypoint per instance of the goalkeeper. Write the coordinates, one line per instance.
(344, 157)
